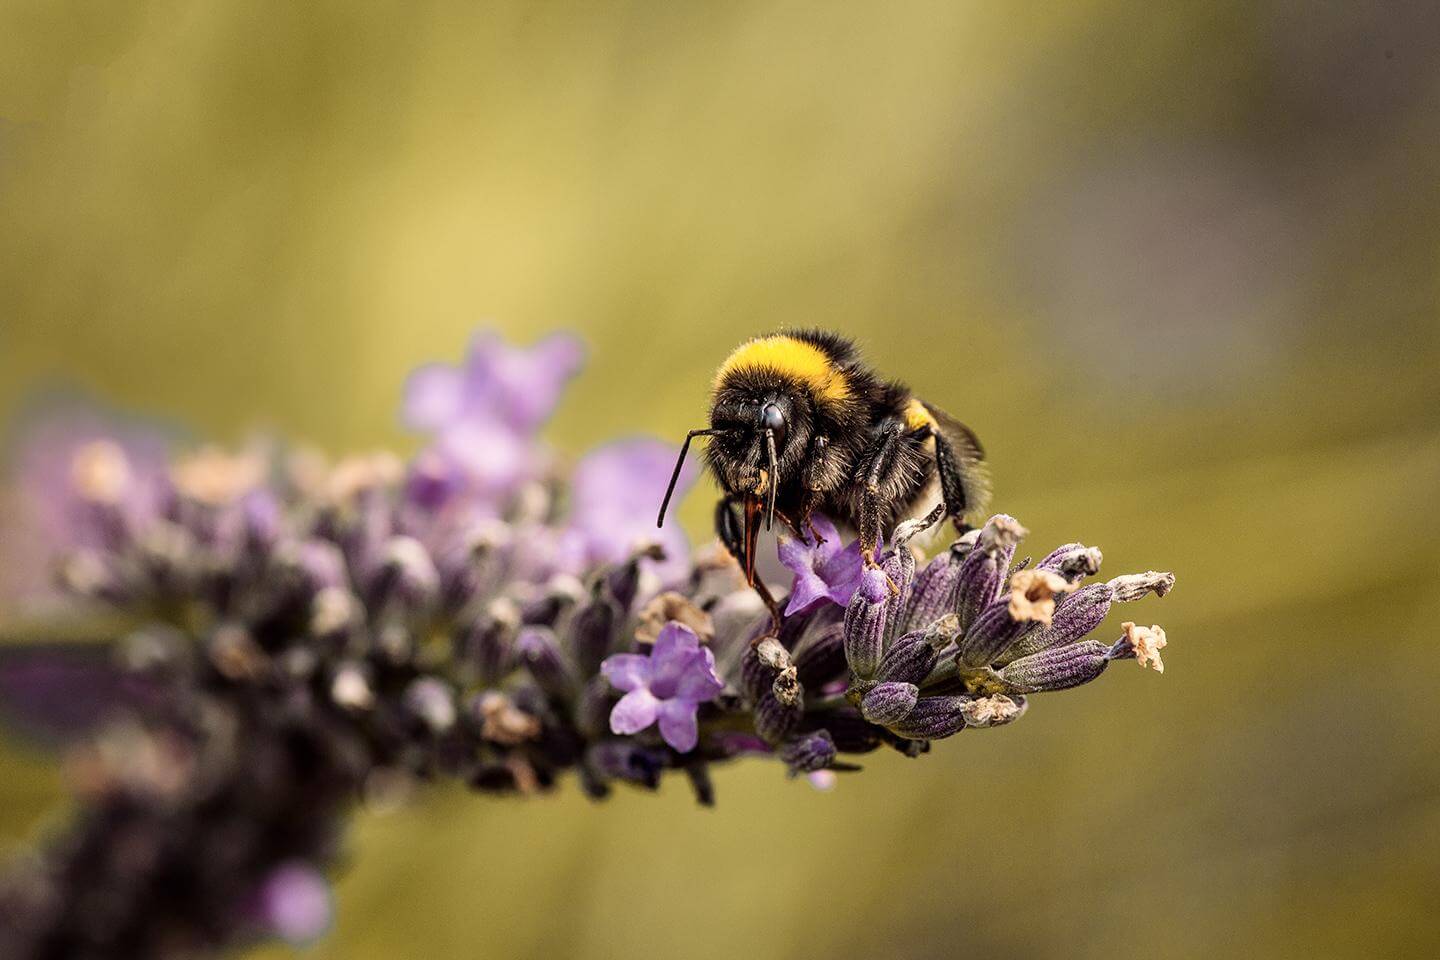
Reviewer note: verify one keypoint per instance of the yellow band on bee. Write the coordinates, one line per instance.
(917, 416)
(794, 358)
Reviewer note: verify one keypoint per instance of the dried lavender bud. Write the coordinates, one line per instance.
(865, 624)
(993, 711)
(1142, 643)
(1058, 668)
(889, 703)
(809, 752)
(1136, 585)
(771, 654)
(1074, 561)
(933, 718)
(350, 687)
(909, 659)
(786, 687)
(982, 572)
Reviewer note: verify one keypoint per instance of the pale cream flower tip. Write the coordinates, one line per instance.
(100, 471)
(1147, 642)
(214, 477)
(1033, 593)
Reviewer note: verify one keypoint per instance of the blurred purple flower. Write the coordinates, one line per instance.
(514, 386)
(614, 493)
(667, 685)
(823, 571)
(483, 413)
(294, 903)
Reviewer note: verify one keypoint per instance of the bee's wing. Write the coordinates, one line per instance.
(964, 476)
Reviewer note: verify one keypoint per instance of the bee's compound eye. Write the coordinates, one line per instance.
(773, 418)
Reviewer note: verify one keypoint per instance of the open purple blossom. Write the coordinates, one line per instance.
(350, 630)
(667, 685)
(826, 570)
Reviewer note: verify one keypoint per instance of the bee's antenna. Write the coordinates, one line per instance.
(770, 493)
(680, 462)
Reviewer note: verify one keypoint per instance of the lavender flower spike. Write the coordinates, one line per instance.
(349, 632)
(668, 685)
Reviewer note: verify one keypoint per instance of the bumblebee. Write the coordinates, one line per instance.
(799, 423)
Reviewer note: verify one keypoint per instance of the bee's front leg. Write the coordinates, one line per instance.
(731, 531)
(824, 472)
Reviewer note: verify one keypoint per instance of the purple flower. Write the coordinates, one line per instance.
(667, 685)
(483, 414)
(823, 571)
(615, 490)
(514, 386)
(294, 903)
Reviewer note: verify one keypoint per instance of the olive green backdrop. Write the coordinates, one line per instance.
(1177, 265)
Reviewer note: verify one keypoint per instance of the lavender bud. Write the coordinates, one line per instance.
(809, 752)
(935, 589)
(933, 718)
(489, 643)
(1058, 668)
(592, 631)
(889, 703)
(865, 624)
(982, 572)
(755, 677)
(1074, 561)
(1136, 585)
(774, 720)
(431, 701)
(992, 633)
(406, 575)
(821, 659)
(317, 564)
(541, 654)
(909, 659)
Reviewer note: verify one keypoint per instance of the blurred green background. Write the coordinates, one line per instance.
(1177, 264)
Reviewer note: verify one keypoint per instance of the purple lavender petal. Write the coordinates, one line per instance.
(635, 711)
(699, 683)
(627, 671)
(434, 397)
(615, 491)
(678, 725)
(675, 648)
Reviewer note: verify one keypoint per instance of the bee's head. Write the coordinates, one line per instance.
(747, 415)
